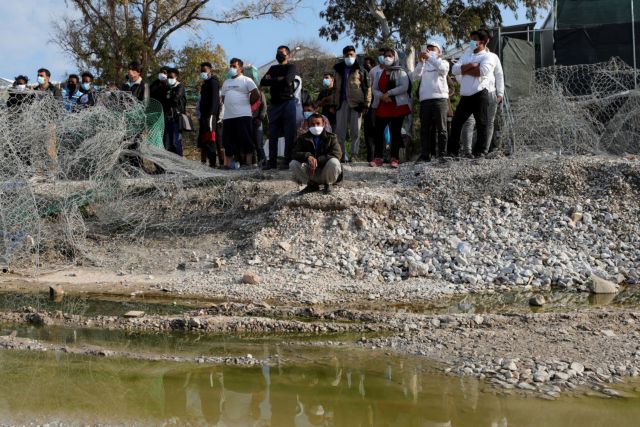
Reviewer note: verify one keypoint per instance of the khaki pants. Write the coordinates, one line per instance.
(348, 118)
(327, 175)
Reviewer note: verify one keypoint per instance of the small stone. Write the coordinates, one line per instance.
(577, 367)
(478, 320)
(182, 266)
(359, 222)
(285, 246)
(602, 286)
(510, 365)
(576, 217)
(526, 386)
(610, 392)
(608, 333)
(561, 376)
(133, 314)
(537, 301)
(56, 292)
(250, 278)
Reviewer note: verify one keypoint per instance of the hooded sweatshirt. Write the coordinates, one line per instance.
(432, 75)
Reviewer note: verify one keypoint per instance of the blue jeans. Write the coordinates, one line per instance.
(172, 138)
(282, 119)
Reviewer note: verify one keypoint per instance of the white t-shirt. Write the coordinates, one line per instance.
(236, 97)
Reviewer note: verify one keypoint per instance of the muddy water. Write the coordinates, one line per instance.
(332, 389)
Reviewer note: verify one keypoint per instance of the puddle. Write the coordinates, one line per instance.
(167, 342)
(518, 302)
(97, 304)
(334, 388)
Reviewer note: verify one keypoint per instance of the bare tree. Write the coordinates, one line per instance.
(112, 32)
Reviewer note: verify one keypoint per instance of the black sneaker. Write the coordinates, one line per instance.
(423, 159)
(328, 189)
(268, 166)
(310, 188)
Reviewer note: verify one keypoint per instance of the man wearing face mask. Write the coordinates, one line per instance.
(474, 71)
(45, 86)
(238, 93)
(316, 157)
(88, 97)
(134, 84)
(310, 108)
(18, 94)
(71, 93)
(325, 98)
(282, 111)
(208, 141)
(352, 97)
(432, 73)
(158, 89)
(174, 106)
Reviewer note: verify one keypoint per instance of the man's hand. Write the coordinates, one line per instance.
(267, 76)
(499, 99)
(365, 110)
(386, 98)
(468, 68)
(313, 163)
(424, 56)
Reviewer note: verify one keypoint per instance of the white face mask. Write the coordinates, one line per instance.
(349, 60)
(204, 76)
(316, 130)
(389, 61)
(172, 82)
(21, 88)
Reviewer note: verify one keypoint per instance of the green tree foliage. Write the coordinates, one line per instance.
(110, 33)
(410, 22)
(189, 58)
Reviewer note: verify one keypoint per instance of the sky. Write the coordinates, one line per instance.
(26, 30)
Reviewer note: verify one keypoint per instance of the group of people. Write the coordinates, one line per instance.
(377, 94)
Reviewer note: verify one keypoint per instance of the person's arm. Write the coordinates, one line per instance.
(439, 64)
(298, 151)
(291, 73)
(457, 67)
(254, 95)
(267, 80)
(377, 94)
(486, 66)
(262, 114)
(499, 76)
(335, 152)
(402, 87)
(215, 97)
(416, 75)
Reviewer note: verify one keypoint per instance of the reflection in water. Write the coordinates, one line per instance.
(338, 389)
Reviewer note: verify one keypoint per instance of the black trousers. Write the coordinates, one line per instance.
(475, 105)
(208, 149)
(395, 128)
(433, 126)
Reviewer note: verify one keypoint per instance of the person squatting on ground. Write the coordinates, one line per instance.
(282, 110)
(431, 73)
(475, 72)
(496, 93)
(174, 106)
(238, 93)
(316, 157)
(209, 108)
(352, 96)
(308, 109)
(392, 102)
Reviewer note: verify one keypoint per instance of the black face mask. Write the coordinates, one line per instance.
(72, 88)
(280, 57)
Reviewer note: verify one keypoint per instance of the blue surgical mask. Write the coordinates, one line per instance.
(381, 59)
(162, 77)
(307, 114)
(326, 82)
(349, 61)
(204, 76)
(85, 86)
(473, 45)
(232, 72)
(41, 80)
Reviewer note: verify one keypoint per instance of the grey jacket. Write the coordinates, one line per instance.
(400, 92)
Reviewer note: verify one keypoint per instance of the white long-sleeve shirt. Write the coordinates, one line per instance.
(432, 75)
(470, 85)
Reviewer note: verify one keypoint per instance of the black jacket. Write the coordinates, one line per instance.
(209, 102)
(51, 90)
(158, 90)
(329, 148)
(136, 89)
(281, 90)
(175, 102)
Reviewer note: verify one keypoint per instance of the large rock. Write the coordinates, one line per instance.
(537, 301)
(602, 286)
(133, 314)
(56, 293)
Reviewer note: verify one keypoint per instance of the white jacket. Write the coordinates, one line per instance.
(470, 85)
(432, 75)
